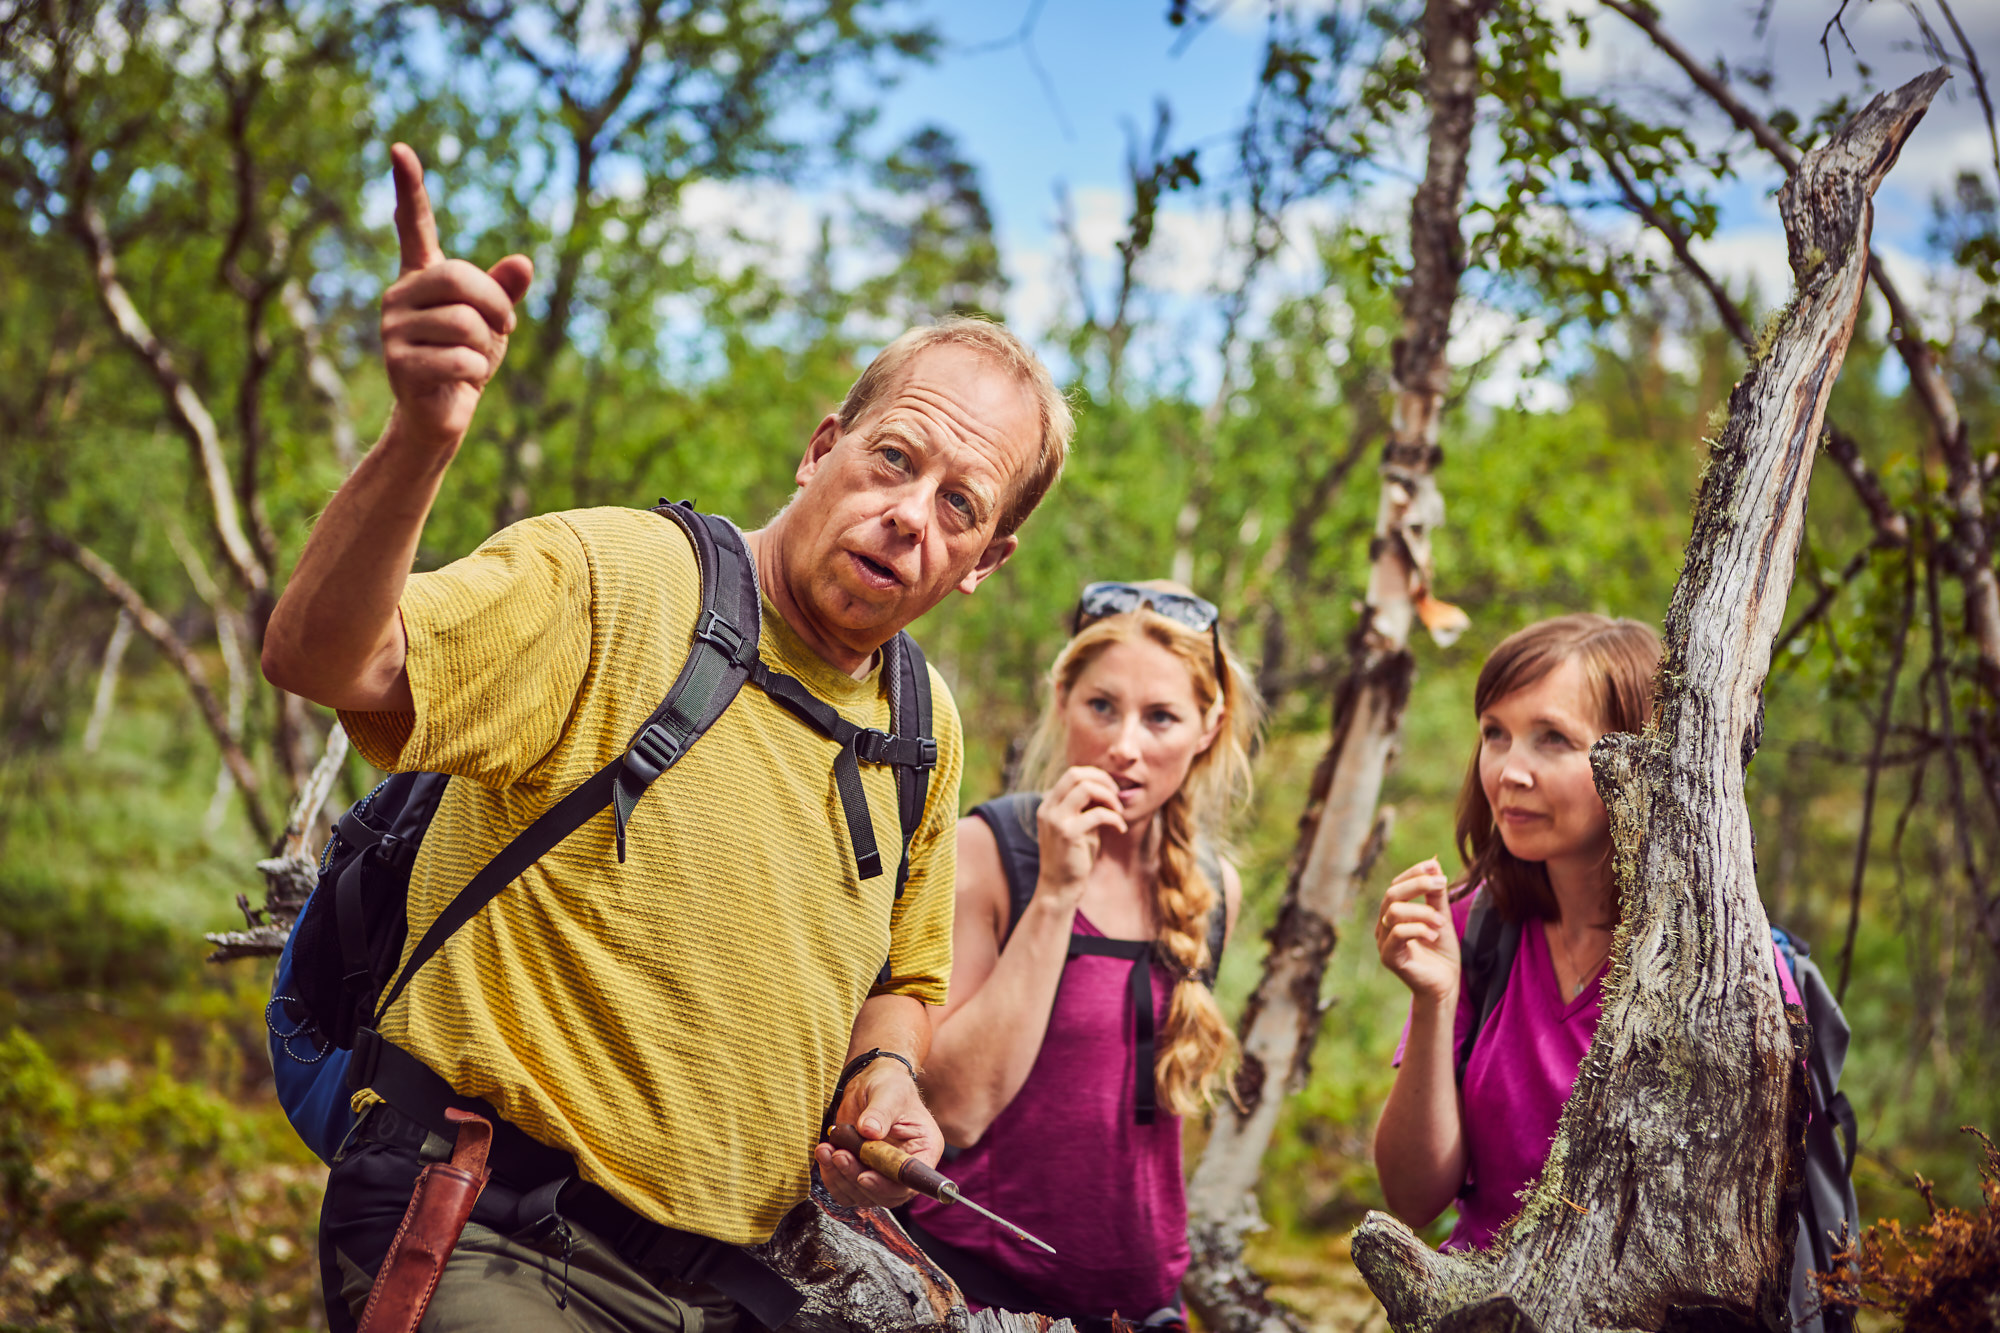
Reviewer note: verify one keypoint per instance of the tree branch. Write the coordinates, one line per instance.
(162, 634)
(1972, 543)
(183, 403)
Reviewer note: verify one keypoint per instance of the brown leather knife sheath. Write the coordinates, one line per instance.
(439, 1207)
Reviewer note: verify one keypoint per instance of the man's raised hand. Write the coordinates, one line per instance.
(445, 322)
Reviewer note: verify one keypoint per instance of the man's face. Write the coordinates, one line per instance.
(895, 512)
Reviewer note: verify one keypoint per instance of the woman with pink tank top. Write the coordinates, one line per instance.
(1080, 1026)
(1474, 1127)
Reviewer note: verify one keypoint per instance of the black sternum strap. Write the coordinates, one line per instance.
(1140, 989)
(857, 744)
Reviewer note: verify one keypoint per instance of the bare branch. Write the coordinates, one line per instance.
(183, 403)
(1882, 718)
(162, 633)
(321, 373)
(1972, 543)
(107, 680)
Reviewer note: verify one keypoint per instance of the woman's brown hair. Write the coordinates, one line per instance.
(1619, 659)
(1196, 1044)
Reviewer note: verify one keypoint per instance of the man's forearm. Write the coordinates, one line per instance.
(335, 636)
(898, 1023)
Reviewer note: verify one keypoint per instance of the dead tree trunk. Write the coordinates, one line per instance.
(1338, 833)
(861, 1274)
(1670, 1198)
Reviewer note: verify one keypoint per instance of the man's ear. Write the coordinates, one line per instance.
(990, 559)
(824, 437)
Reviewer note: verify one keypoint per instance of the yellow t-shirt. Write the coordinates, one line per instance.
(677, 1022)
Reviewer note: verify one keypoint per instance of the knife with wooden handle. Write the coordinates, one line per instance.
(912, 1173)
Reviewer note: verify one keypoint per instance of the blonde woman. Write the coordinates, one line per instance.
(1090, 912)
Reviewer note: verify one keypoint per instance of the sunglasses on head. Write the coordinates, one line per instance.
(1116, 599)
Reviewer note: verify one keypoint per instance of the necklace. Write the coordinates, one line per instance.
(1582, 978)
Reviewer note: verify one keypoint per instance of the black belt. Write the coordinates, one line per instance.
(539, 1183)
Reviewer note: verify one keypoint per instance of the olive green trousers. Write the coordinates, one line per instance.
(495, 1284)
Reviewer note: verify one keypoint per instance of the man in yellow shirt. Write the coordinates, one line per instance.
(670, 1025)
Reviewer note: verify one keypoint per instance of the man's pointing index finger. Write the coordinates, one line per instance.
(416, 229)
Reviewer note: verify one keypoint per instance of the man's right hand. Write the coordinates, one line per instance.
(445, 322)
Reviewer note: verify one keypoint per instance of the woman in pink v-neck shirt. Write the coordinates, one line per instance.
(1535, 836)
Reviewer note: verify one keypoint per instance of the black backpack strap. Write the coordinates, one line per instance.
(1144, 1022)
(1487, 954)
(910, 714)
(1012, 819)
(719, 660)
(725, 644)
(1218, 916)
(858, 745)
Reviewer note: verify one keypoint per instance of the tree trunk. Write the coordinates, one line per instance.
(1339, 833)
(1671, 1193)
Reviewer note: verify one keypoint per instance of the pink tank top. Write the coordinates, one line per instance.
(1066, 1161)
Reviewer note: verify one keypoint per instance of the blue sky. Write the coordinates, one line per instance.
(1103, 63)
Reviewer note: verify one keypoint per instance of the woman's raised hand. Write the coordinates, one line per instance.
(1073, 814)
(1413, 932)
(445, 322)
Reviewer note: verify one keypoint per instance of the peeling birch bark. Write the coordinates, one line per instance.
(1338, 832)
(1670, 1200)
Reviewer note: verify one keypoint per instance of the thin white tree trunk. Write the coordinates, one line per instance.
(1339, 831)
(107, 681)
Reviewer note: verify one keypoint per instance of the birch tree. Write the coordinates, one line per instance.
(1338, 833)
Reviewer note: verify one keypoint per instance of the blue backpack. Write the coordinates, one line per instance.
(338, 973)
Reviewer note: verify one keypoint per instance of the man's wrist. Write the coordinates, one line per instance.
(854, 1069)
(411, 450)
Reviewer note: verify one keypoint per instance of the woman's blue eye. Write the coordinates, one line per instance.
(1162, 718)
(1102, 707)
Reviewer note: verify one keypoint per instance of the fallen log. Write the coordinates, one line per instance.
(1670, 1196)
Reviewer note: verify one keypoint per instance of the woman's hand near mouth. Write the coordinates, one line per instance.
(1083, 803)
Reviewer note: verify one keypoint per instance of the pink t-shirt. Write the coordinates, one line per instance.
(1520, 1074)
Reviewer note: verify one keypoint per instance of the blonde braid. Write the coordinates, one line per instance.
(1195, 1044)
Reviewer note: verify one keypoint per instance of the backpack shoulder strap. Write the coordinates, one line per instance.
(725, 644)
(1210, 862)
(909, 715)
(1487, 954)
(1012, 819)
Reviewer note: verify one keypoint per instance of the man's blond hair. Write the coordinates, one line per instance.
(997, 343)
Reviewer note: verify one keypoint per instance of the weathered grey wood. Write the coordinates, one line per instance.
(1339, 831)
(291, 874)
(861, 1274)
(1670, 1198)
